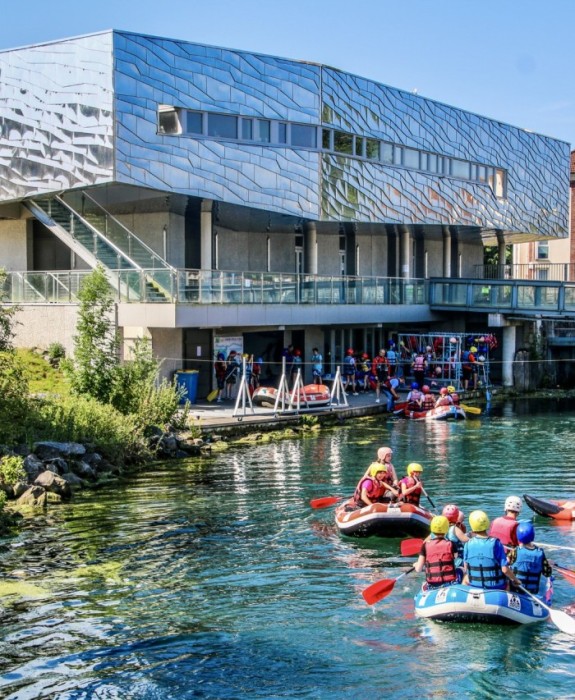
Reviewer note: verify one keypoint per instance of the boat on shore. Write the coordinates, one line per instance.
(382, 520)
(309, 396)
(461, 603)
(558, 510)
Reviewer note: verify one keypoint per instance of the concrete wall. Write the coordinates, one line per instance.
(15, 244)
(39, 326)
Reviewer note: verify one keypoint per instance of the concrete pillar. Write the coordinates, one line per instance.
(446, 252)
(508, 352)
(310, 248)
(405, 252)
(206, 236)
(501, 254)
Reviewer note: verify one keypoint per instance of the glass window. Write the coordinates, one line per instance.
(263, 130)
(326, 139)
(411, 158)
(247, 129)
(432, 162)
(282, 132)
(342, 143)
(358, 146)
(387, 152)
(194, 123)
(473, 171)
(499, 183)
(459, 168)
(303, 135)
(223, 125)
(372, 149)
(481, 173)
(168, 120)
(397, 155)
(543, 250)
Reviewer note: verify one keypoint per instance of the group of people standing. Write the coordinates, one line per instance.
(228, 371)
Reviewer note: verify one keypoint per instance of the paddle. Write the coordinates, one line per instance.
(380, 589)
(554, 546)
(560, 619)
(212, 395)
(470, 409)
(568, 574)
(424, 492)
(410, 548)
(325, 502)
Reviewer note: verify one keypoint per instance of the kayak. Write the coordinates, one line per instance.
(382, 520)
(461, 603)
(559, 510)
(311, 395)
(438, 413)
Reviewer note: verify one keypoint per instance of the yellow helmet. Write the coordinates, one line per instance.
(375, 468)
(451, 390)
(414, 467)
(478, 521)
(439, 525)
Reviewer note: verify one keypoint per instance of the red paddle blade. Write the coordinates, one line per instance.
(410, 548)
(324, 502)
(566, 573)
(378, 590)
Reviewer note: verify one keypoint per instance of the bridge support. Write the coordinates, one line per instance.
(508, 352)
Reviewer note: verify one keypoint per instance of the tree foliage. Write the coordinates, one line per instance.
(7, 313)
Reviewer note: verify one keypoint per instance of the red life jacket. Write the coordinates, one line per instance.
(439, 563)
(375, 492)
(504, 528)
(419, 363)
(455, 397)
(428, 401)
(415, 496)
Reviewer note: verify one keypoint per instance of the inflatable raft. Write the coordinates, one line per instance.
(461, 603)
(382, 520)
(310, 396)
(439, 413)
(559, 510)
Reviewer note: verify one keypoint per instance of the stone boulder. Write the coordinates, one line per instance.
(54, 484)
(33, 466)
(50, 450)
(35, 496)
(83, 470)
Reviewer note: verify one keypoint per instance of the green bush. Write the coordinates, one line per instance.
(12, 469)
(3, 499)
(14, 403)
(55, 353)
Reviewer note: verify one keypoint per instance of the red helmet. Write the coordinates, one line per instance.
(365, 356)
(451, 512)
(297, 353)
(443, 391)
(349, 351)
(425, 389)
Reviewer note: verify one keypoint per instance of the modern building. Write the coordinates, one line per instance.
(235, 197)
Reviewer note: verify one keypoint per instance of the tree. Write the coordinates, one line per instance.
(96, 345)
(7, 314)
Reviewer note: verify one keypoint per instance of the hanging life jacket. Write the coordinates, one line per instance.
(504, 528)
(439, 562)
(419, 364)
(483, 569)
(528, 567)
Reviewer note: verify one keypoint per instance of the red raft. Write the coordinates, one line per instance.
(450, 412)
(382, 520)
(558, 510)
(310, 396)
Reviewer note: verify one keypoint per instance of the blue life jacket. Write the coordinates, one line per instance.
(483, 569)
(528, 567)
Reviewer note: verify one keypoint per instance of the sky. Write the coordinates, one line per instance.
(509, 60)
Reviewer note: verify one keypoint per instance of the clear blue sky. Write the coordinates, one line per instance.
(506, 59)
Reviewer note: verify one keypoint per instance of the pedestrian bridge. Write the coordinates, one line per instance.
(525, 298)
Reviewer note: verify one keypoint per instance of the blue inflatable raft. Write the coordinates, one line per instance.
(461, 603)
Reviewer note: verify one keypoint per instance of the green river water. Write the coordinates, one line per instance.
(213, 578)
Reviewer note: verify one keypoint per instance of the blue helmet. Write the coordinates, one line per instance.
(415, 385)
(525, 532)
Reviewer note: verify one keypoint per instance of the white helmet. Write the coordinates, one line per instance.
(513, 503)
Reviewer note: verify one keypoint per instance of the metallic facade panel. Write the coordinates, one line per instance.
(56, 122)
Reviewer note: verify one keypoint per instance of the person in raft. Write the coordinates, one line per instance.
(437, 555)
(528, 561)
(456, 532)
(504, 527)
(384, 455)
(484, 560)
(373, 488)
(411, 486)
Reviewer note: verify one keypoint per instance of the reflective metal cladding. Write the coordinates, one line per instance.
(85, 111)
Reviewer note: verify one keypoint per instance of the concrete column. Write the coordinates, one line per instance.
(310, 248)
(446, 252)
(206, 235)
(501, 254)
(405, 252)
(508, 352)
